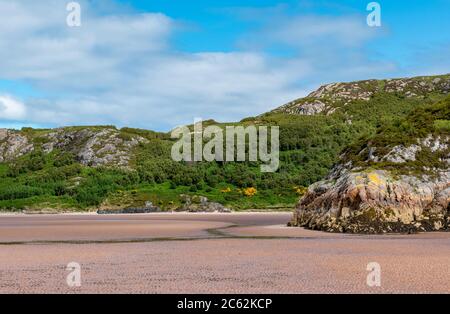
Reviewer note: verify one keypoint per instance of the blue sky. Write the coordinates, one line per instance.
(158, 64)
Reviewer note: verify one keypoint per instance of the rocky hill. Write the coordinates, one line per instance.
(329, 98)
(396, 181)
(385, 129)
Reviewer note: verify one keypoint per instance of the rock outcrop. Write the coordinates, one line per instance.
(376, 202)
(92, 146)
(13, 144)
(147, 209)
(200, 204)
(401, 190)
(330, 97)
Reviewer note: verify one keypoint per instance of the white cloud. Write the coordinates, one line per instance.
(11, 109)
(120, 68)
(309, 30)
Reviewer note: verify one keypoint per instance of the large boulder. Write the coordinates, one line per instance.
(376, 202)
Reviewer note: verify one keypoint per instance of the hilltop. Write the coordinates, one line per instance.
(336, 96)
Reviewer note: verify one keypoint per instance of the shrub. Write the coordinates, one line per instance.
(442, 125)
(19, 191)
(63, 159)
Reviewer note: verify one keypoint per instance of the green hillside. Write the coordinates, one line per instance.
(79, 168)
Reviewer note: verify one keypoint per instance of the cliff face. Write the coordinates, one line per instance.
(392, 183)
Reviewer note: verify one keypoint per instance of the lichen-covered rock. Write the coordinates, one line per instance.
(376, 202)
(366, 199)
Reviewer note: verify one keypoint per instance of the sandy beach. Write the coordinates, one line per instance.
(211, 253)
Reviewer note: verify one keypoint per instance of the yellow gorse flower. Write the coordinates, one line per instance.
(250, 192)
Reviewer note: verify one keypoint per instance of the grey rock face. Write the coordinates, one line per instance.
(94, 148)
(436, 144)
(304, 107)
(343, 91)
(400, 154)
(312, 108)
(13, 145)
(417, 86)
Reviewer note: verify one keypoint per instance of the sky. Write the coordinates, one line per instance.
(159, 64)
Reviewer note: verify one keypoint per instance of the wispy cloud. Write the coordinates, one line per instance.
(121, 68)
(305, 30)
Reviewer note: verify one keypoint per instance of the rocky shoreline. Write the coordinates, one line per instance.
(191, 204)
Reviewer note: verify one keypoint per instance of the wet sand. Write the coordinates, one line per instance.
(211, 253)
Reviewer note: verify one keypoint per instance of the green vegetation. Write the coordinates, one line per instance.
(442, 125)
(310, 145)
(420, 123)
